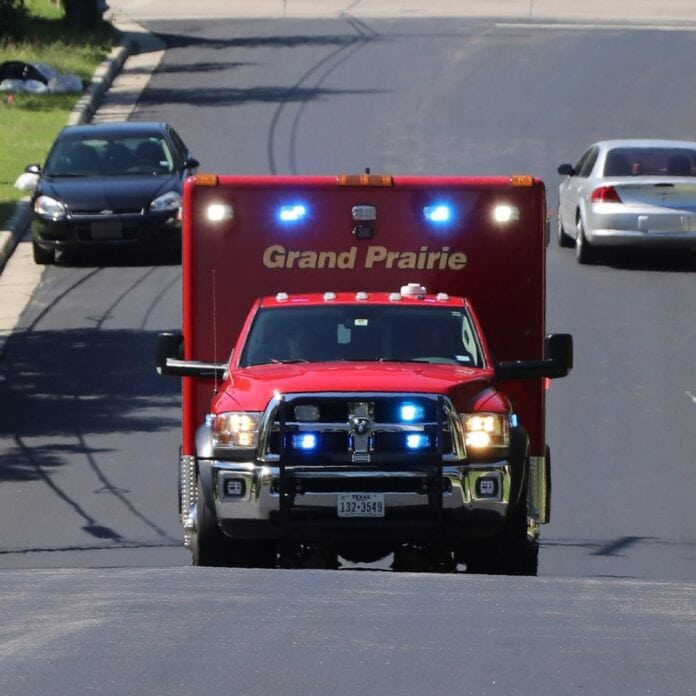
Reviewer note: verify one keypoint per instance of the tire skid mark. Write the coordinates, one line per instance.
(328, 64)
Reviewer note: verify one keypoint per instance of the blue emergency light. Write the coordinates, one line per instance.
(417, 441)
(438, 214)
(408, 413)
(305, 441)
(292, 213)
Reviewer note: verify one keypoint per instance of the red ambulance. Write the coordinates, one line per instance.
(364, 362)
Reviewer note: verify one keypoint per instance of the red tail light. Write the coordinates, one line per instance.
(605, 194)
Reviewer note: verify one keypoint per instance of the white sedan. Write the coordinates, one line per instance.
(639, 193)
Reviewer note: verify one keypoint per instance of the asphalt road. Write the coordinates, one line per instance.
(89, 434)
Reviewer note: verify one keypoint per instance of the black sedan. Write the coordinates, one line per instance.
(109, 184)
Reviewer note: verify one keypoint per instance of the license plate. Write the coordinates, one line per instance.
(360, 504)
(107, 230)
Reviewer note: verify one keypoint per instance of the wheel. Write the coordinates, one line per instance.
(518, 553)
(563, 238)
(209, 546)
(515, 551)
(43, 257)
(584, 252)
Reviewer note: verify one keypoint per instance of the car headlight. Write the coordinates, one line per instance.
(167, 201)
(50, 207)
(486, 432)
(235, 429)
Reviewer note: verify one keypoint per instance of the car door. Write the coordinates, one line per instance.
(573, 189)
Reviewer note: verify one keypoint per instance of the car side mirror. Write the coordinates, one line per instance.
(29, 179)
(557, 362)
(190, 163)
(566, 170)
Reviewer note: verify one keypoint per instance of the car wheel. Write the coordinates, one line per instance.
(564, 239)
(43, 257)
(584, 252)
(208, 544)
(515, 551)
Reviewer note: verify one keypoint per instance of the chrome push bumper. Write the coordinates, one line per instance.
(246, 495)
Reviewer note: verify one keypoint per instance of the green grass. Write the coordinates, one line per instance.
(30, 122)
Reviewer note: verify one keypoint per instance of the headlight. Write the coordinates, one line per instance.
(49, 207)
(167, 201)
(486, 431)
(235, 429)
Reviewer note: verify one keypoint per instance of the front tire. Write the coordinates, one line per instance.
(43, 257)
(563, 238)
(208, 543)
(515, 551)
(211, 547)
(584, 252)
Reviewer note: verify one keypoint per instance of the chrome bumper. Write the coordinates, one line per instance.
(247, 491)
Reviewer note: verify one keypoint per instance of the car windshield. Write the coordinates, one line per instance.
(362, 332)
(135, 155)
(650, 161)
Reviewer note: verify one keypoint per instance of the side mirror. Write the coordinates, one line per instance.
(29, 179)
(169, 362)
(558, 349)
(190, 163)
(557, 362)
(169, 345)
(566, 170)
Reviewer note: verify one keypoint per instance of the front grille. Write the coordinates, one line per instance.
(367, 429)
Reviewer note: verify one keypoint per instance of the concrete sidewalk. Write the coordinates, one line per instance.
(647, 11)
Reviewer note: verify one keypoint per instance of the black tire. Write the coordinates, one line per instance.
(209, 546)
(513, 551)
(43, 257)
(518, 553)
(563, 238)
(584, 252)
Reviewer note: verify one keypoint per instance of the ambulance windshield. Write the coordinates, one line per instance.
(357, 332)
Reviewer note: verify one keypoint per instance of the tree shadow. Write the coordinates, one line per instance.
(65, 385)
(230, 96)
(174, 41)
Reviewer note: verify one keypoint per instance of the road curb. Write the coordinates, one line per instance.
(84, 110)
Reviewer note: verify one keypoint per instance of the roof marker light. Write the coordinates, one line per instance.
(442, 297)
(292, 213)
(219, 212)
(282, 297)
(394, 296)
(437, 213)
(329, 296)
(521, 180)
(361, 296)
(413, 290)
(506, 213)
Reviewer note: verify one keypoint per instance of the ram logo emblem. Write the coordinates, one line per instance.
(360, 425)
